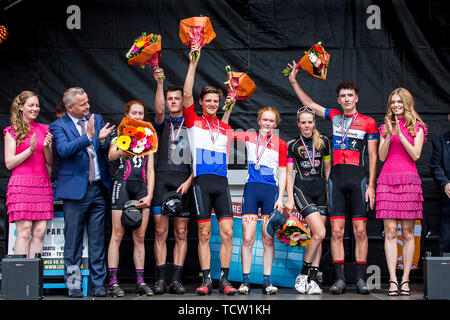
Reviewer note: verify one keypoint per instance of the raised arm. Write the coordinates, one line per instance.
(302, 96)
(188, 98)
(226, 115)
(159, 96)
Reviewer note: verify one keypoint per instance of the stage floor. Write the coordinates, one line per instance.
(255, 294)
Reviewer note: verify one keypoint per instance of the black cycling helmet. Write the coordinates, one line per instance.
(131, 216)
(171, 204)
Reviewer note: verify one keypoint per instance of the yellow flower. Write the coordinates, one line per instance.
(123, 143)
(140, 44)
(140, 129)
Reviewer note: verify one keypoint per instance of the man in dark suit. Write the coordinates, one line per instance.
(81, 139)
(440, 168)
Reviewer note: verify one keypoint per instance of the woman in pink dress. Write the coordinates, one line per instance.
(399, 192)
(28, 153)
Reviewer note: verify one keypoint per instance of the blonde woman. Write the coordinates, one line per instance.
(399, 193)
(309, 154)
(28, 154)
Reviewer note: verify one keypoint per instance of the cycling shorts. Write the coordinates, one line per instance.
(311, 196)
(347, 187)
(212, 192)
(166, 182)
(123, 191)
(258, 195)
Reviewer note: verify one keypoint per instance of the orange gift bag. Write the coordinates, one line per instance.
(146, 50)
(239, 86)
(294, 233)
(196, 31)
(315, 62)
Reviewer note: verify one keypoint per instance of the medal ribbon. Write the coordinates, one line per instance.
(258, 157)
(307, 152)
(343, 137)
(211, 133)
(174, 138)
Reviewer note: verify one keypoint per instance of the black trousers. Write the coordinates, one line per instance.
(444, 243)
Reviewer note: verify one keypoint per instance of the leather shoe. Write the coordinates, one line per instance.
(75, 293)
(99, 292)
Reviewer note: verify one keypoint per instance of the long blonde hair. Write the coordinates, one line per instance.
(411, 116)
(318, 141)
(20, 126)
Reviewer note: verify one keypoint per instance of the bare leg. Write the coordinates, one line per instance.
(204, 252)
(161, 231)
(116, 238)
(390, 249)
(138, 241)
(180, 233)
(22, 243)
(248, 240)
(409, 246)
(37, 238)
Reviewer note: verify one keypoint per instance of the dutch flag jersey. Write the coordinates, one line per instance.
(209, 148)
(273, 157)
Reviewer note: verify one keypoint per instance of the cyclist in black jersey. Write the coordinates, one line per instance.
(348, 185)
(134, 180)
(309, 156)
(173, 173)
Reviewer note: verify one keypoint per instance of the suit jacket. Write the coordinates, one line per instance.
(73, 171)
(440, 160)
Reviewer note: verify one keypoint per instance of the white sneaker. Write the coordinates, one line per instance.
(244, 288)
(301, 283)
(313, 288)
(268, 288)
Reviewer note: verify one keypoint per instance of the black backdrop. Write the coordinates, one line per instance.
(410, 49)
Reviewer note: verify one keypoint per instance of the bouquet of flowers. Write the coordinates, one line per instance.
(239, 86)
(315, 62)
(196, 31)
(3, 33)
(136, 137)
(294, 233)
(146, 50)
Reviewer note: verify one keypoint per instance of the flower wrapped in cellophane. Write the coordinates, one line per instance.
(196, 31)
(146, 50)
(294, 233)
(315, 62)
(239, 87)
(136, 137)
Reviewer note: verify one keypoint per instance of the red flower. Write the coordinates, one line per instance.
(317, 48)
(139, 135)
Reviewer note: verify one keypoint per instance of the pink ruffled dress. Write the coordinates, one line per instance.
(399, 191)
(30, 194)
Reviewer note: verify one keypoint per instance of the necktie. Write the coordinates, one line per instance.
(90, 151)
